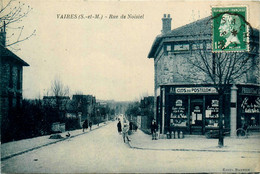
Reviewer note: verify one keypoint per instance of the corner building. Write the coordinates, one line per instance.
(191, 105)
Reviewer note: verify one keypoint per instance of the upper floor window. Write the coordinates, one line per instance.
(208, 45)
(19, 79)
(181, 47)
(201, 46)
(168, 48)
(11, 76)
(197, 46)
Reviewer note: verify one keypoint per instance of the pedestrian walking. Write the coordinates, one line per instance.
(85, 125)
(90, 125)
(119, 127)
(154, 128)
(125, 132)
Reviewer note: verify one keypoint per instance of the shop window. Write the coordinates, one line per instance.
(250, 120)
(212, 112)
(178, 115)
(250, 111)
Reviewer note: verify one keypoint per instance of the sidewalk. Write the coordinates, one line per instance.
(140, 140)
(14, 148)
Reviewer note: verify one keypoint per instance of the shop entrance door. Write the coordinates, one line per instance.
(196, 120)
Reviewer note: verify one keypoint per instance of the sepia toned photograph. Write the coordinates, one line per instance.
(129, 86)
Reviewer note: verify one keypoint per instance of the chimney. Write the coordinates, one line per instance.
(3, 35)
(166, 23)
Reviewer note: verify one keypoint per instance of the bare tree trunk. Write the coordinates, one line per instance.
(221, 138)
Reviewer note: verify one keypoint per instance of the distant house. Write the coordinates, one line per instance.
(11, 79)
(58, 102)
(147, 112)
(85, 104)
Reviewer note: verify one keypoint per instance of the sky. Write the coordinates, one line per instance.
(104, 57)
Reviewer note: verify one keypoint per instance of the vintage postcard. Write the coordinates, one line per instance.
(130, 86)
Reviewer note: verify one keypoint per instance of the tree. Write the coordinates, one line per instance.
(58, 88)
(133, 109)
(13, 12)
(59, 99)
(222, 69)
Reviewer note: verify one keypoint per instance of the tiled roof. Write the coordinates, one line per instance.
(5, 53)
(202, 26)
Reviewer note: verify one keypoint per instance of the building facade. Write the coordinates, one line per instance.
(11, 80)
(188, 100)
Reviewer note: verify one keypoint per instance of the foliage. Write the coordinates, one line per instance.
(133, 109)
(31, 120)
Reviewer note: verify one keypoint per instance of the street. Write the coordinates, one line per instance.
(103, 150)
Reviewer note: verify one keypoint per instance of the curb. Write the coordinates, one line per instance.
(191, 150)
(194, 150)
(47, 144)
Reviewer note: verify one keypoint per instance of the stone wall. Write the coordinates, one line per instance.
(174, 68)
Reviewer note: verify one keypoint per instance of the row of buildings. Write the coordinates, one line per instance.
(188, 100)
(73, 111)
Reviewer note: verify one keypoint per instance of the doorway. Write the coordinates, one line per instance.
(196, 116)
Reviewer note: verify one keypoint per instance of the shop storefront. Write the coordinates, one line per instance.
(248, 106)
(191, 109)
(194, 109)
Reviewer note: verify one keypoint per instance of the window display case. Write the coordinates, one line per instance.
(212, 113)
(178, 115)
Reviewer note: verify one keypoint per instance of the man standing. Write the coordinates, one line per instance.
(154, 128)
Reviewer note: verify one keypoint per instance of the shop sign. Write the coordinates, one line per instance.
(253, 91)
(214, 103)
(213, 109)
(178, 110)
(178, 103)
(196, 90)
(197, 109)
(252, 106)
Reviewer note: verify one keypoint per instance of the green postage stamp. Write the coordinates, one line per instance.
(230, 30)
